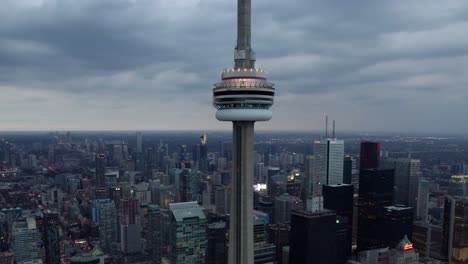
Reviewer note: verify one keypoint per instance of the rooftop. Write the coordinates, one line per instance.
(182, 211)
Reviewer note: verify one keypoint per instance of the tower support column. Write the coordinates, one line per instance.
(241, 246)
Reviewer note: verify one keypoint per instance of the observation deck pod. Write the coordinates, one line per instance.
(243, 95)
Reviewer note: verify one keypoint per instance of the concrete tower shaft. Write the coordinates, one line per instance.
(244, 56)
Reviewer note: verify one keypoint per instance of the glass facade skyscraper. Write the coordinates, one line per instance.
(187, 233)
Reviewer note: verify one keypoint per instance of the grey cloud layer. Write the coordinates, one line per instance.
(149, 64)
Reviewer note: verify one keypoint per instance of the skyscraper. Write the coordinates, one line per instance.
(153, 235)
(339, 198)
(313, 236)
(375, 192)
(347, 170)
(370, 155)
(187, 233)
(329, 160)
(264, 252)
(407, 172)
(139, 159)
(216, 248)
(243, 96)
(130, 226)
(104, 214)
(25, 239)
(458, 185)
(51, 238)
(100, 176)
(455, 231)
(284, 205)
(423, 200)
(202, 154)
(393, 223)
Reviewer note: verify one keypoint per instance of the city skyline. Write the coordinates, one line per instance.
(150, 65)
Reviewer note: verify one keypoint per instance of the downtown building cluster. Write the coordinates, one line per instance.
(327, 206)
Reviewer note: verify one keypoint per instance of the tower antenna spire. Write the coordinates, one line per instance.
(326, 126)
(333, 128)
(244, 56)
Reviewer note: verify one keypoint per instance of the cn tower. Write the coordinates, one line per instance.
(243, 97)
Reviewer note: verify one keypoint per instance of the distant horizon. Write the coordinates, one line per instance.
(312, 132)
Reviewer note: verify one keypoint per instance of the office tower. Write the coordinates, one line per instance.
(100, 176)
(260, 172)
(104, 213)
(340, 198)
(347, 170)
(455, 231)
(407, 172)
(153, 235)
(279, 236)
(394, 222)
(313, 236)
(139, 142)
(423, 200)
(139, 151)
(422, 238)
(222, 195)
(370, 153)
(130, 226)
(403, 253)
(216, 248)
(243, 96)
(375, 192)
(264, 252)
(202, 154)
(25, 240)
(458, 185)
(284, 205)
(51, 237)
(308, 171)
(329, 160)
(187, 233)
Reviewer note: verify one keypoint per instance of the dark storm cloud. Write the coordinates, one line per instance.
(103, 61)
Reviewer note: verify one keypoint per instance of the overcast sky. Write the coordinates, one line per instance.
(394, 65)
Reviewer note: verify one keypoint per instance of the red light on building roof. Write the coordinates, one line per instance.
(408, 247)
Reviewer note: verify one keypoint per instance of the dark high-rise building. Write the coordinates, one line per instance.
(100, 176)
(339, 198)
(375, 192)
(202, 154)
(313, 236)
(422, 238)
(279, 236)
(216, 248)
(51, 237)
(455, 230)
(153, 235)
(394, 222)
(347, 170)
(130, 226)
(370, 153)
(139, 159)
